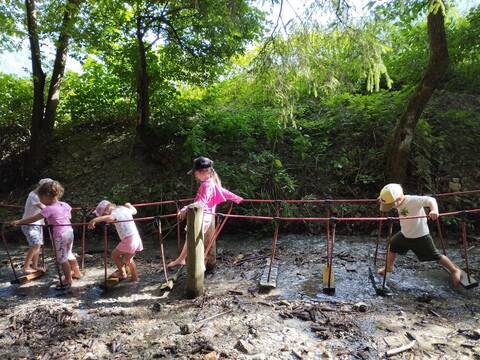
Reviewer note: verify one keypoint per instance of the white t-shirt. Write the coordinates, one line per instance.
(31, 208)
(127, 228)
(414, 206)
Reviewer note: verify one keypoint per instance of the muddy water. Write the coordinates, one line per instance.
(296, 319)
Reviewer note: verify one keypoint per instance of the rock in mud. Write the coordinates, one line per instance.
(211, 356)
(245, 347)
(360, 306)
(186, 329)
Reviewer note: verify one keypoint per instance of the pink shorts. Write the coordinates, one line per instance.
(130, 245)
(207, 221)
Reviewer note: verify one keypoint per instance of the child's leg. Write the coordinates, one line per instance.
(34, 235)
(75, 269)
(455, 272)
(181, 258)
(132, 266)
(30, 265)
(67, 271)
(390, 262)
(117, 259)
(35, 260)
(398, 245)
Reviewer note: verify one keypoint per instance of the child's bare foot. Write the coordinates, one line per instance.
(456, 275)
(29, 270)
(175, 263)
(121, 275)
(382, 271)
(40, 268)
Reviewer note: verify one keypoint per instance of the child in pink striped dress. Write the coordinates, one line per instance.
(209, 195)
(58, 214)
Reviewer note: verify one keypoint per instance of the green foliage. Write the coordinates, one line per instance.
(15, 100)
(97, 94)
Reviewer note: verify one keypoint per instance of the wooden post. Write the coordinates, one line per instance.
(211, 260)
(195, 252)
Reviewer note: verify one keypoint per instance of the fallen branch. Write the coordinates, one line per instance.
(214, 316)
(401, 349)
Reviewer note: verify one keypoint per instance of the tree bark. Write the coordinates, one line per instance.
(143, 104)
(399, 149)
(38, 77)
(69, 17)
(43, 112)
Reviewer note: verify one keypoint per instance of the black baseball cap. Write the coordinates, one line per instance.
(201, 163)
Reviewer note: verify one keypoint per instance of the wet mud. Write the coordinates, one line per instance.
(237, 320)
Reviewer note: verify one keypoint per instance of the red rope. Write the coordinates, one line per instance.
(319, 201)
(440, 236)
(379, 235)
(55, 254)
(105, 255)
(463, 226)
(389, 239)
(274, 240)
(217, 231)
(165, 202)
(8, 253)
(162, 253)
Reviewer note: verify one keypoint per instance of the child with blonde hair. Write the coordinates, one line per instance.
(34, 232)
(58, 215)
(130, 241)
(209, 195)
(414, 234)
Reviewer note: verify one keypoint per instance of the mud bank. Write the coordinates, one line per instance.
(234, 320)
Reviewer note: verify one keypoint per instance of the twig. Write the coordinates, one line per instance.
(401, 349)
(214, 316)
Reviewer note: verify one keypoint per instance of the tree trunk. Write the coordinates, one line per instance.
(43, 114)
(143, 106)
(69, 17)
(36, 149)
(399, 150)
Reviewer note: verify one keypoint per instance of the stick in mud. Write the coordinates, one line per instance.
(400, 349)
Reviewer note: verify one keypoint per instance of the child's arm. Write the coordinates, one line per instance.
(131, 207)
(40, 205)
(204, 194)
(104, 218)
(432, 204)
(231, 196)
(28, 220)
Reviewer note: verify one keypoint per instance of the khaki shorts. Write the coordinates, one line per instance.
(423, 247)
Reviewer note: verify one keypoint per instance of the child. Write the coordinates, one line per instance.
(33, 234)
(130, 241)
(58, 214)
(414, 234)
(209, 195)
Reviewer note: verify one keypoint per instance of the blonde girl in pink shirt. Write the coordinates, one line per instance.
(58, 214)
(209, 195)
(130, 241)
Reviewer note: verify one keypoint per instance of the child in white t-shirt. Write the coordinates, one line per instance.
(130, 241)
(34, 231)
(414, 234)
